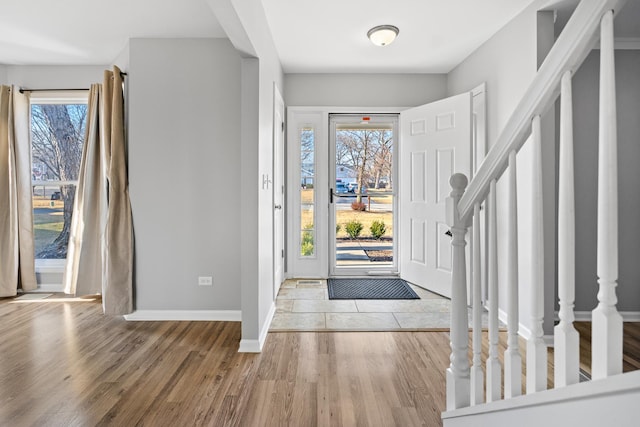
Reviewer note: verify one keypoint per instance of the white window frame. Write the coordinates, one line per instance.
(298, 265)
(53, 266)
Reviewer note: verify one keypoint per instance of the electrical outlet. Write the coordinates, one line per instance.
(205, 281)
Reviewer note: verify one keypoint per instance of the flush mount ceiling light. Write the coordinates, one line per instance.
(383, 35)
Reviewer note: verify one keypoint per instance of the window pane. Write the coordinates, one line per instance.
(307, 192)
(57, 137)
(364, 212)
(50, 235)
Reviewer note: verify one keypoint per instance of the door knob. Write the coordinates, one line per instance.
(278, 206)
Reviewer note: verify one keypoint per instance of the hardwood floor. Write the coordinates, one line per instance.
(630, 349)
(65, 364)
(62, 363)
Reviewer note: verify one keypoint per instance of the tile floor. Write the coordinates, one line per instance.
(304, 305)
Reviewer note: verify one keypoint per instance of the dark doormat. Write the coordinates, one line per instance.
(370, 288)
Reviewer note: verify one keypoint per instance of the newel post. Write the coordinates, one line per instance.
(458, 378)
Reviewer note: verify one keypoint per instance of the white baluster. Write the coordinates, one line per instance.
(536, 348)
(512, 357)
(607, 322)
(477, 376)
(566, 353)
(458, 381)
(494, 370)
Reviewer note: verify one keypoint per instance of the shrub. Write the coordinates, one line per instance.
(306, 245)
(338, 227)
(358, 206)
(377, 229)
(353, 228)
(307, 248)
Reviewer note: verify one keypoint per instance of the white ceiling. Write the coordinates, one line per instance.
(94, 31)
(331, 35)
(320, 36)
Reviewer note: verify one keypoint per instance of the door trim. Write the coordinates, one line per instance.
(333, 269)
(317, 267)
(279, 185)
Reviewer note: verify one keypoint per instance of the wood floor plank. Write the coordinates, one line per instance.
(65, 364)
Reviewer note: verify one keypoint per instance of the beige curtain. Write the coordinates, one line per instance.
(83, 271)
(118, 267)
(100, 255)
(17, 268)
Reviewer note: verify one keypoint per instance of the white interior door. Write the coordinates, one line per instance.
(435, 144)
(278, 191)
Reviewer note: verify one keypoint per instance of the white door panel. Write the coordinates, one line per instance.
(278, 192)
(435, 144)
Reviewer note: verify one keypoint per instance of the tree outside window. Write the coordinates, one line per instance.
(367, 152)
(57, 138)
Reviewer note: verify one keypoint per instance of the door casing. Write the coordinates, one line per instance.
(279, 228)
(318, 266)
(334, 119)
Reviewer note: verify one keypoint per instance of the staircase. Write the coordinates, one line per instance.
(476, 398)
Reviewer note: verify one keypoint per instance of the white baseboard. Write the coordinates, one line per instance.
(581, 316)
(255, 346)
(44, 287)
(523, 331)
(627, 316)
(186, 315)
(249, 346)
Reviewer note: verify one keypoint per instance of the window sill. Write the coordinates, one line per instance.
(50, 265)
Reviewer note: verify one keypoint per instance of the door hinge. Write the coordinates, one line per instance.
(282, 253)
(282, 126)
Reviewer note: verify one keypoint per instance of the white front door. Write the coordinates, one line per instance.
(435, 144)
(278, 191)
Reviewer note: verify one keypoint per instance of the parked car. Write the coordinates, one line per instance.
(341, 188)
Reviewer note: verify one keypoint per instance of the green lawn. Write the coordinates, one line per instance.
(344, 216)
(46, 227)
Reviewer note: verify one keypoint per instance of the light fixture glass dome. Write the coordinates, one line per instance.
(383, 35)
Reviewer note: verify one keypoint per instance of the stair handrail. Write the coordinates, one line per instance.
(591, 20)
(568, 52)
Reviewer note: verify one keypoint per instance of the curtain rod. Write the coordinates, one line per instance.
(23, 90)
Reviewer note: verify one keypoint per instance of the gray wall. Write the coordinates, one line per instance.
(363, 90)
(54, 76)
(122, 60)
(506, 75)
(585, 104)
(184, 169)
(507, 63)
(3, 75)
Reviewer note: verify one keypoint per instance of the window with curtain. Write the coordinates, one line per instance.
(57, 138)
